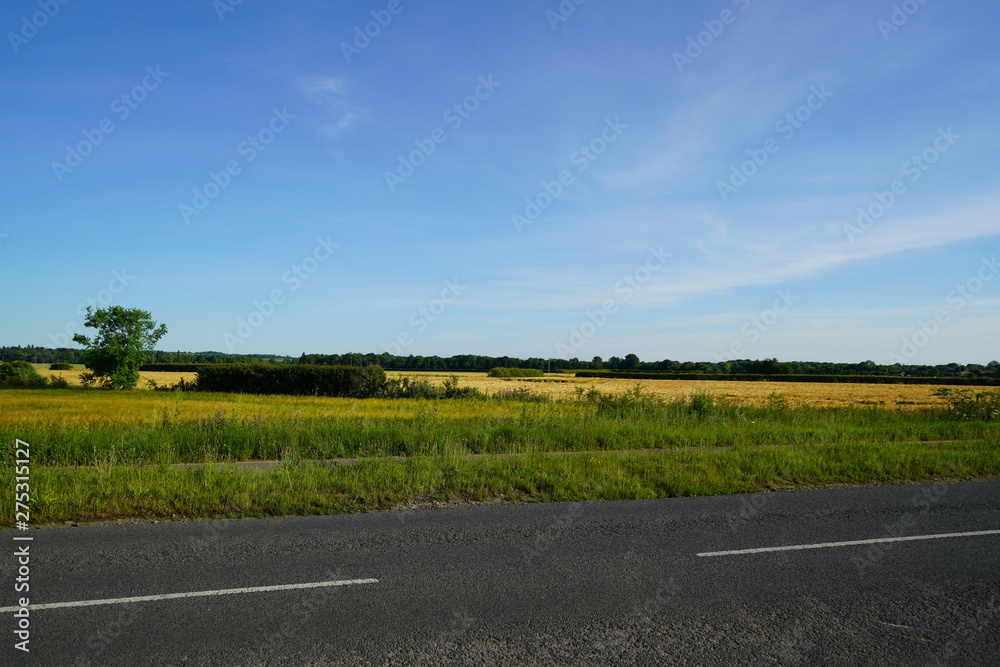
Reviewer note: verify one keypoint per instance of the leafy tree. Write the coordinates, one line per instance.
(125, 337)
(631, 362)
(768, 367)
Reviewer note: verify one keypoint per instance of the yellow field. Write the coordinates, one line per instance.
(564, 386)
(163, 379)
(799, 393)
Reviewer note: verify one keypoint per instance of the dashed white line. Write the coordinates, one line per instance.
(828, 545)
(194, 594)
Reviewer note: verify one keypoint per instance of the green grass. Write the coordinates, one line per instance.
(107, 455)
(124, 491)
(427, 430)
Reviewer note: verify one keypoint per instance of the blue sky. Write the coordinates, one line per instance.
(683, 180)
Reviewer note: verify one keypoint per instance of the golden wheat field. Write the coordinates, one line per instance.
(798, 393)
(162, 379)
(564, 386)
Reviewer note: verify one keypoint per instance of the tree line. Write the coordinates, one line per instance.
(47, 355)
(483, 363)
(631, 362)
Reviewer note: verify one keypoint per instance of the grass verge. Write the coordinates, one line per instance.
(112, 492)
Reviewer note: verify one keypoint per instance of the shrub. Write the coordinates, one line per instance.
(180, 386)
(968, 405)
(56, 382)
(452, 390)
(293, 379)
(501, 372)
(171, 368)
(778, 400)
(407, 388)
(701, 403)
(420, 388)
(522, 394)
(630, 405)
(61, 366)
(20, 375)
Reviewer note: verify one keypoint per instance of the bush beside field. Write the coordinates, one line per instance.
(293, 380)
(171, 368)
(756, 377)
(20, 375)
(500, 372)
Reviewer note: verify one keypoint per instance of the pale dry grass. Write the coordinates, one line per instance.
(563, 386)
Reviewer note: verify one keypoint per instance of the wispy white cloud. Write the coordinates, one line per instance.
(331, 95)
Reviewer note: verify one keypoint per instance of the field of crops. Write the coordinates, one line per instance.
(565, 386)
(562, 386)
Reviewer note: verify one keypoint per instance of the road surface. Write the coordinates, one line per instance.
(792, 578)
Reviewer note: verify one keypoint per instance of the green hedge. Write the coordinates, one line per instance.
(293, 379)
(60, 366)
(501, 372)
(754, 377)
(171, 368)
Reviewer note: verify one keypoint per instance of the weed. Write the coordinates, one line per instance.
(702, 403)
(777, 400)
(56, 382)
(966, 404)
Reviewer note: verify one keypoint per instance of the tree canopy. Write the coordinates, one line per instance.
(125, 337)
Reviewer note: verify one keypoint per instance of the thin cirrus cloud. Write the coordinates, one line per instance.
(338, 115)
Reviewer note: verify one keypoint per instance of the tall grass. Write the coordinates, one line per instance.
(193, 428)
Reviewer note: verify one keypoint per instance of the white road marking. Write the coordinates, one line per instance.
(194, 594)
(827, 545)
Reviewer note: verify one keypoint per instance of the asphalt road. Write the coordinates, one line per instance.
(581, 583)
